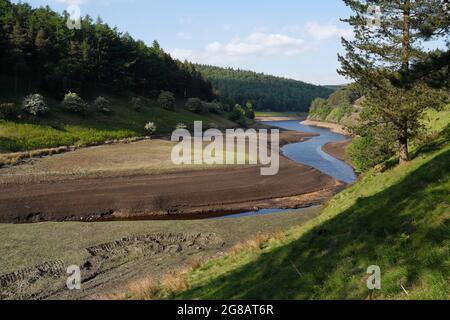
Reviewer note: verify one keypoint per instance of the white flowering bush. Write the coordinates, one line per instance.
(35, 105)
(74, 103)
(150, 127)
(102, 104)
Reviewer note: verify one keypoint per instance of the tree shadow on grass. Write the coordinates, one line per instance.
(403, 229)
(437, 144)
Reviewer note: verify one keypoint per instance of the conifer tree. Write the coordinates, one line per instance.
(384, 47)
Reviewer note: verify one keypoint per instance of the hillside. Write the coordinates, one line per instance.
(264, 91)
(40, 54)
(397, 220)
(63, 128)
(341, 107)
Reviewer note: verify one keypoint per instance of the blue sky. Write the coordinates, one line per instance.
(296, 39)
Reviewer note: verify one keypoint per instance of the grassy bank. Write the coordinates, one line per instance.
(61, 128)
(398, 220)
(28, 245)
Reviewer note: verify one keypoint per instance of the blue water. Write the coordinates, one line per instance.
(308, 153)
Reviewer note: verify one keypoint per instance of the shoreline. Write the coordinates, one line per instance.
(288, 118)
(334, 127)
(337, 150)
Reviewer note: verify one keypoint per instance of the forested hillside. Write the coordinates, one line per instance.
(342, 107)
(266, 92)
(39, 52)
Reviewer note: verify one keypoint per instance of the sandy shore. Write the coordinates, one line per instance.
(332, 126)
(337, 150)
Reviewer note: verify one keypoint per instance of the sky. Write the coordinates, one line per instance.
(297, 39)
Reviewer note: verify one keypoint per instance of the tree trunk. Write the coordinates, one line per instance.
(406, 41)
(406, 56)
(403, 148)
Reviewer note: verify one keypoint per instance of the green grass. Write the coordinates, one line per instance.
(398, 220)
(61, 128)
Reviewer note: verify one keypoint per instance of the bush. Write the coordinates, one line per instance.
(8, 111)
(367, 152)
(181, 126)
(167, 100)
(102, 104)
(137, 103)
(195, 105)
(248, 109)
(35, 105)
(238, 113)
(212, 107)
(74, 103)
(338, 113)
(151, 128)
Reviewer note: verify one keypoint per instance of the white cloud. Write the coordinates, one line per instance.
(256, 44)
(327, 31)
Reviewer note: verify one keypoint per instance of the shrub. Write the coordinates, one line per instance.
(102, 104)
(150, 127)
(248, 109)
(8, 111)
(195, 105)
(74, 103)
(137, 103)
(368, 151)
(212, 107)
(238, 113)
(167, 100)
(181, 126)
(35, 105)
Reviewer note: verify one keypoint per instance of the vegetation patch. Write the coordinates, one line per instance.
(397, 220)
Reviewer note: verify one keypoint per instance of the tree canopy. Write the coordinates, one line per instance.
(39, 51)
(379, 55)
(264, 91)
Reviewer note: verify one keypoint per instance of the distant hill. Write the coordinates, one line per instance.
(342, 107)
(335, 86)
(264, 91)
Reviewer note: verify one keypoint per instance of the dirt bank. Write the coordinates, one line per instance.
(338, 150)
(336, 128)
(176, 195)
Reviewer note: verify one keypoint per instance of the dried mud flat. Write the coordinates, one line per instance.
(112, 255)
(175, 195)
(36, 249)
(48, 280)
